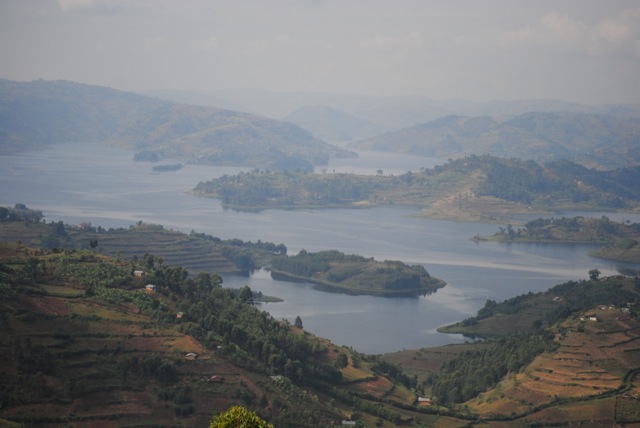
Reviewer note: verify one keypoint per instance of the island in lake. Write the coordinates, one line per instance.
(619, 240)
(337, 272)
(475, 188)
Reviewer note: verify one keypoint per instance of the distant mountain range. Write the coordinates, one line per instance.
(599, 140)
(201, 128)
(542, 130)
(40, 113)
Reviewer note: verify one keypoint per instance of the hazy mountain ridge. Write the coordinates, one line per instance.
(391, 112)
(592, 139)
(40, 113)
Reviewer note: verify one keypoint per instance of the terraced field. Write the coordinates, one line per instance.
(174, 248)
(592, 369)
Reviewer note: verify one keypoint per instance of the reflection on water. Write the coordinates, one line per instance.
(74, 183)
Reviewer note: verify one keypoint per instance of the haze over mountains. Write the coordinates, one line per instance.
(384, 113)
(39, 113)
(543, 130)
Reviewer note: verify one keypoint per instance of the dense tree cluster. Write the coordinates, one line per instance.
(280, 249)
(571, 229)
(219, 317)
(356, 273)
(20, 212)
(260, 188)
(477, 370)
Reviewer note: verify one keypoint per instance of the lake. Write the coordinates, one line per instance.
(76, 183)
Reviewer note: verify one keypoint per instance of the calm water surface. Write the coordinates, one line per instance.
(76, 183)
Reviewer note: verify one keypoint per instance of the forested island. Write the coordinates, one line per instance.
(619, 240)
(337, 272)
(475, 188)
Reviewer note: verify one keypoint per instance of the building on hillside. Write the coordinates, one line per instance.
(138, 273)
(151, 288)
(423, 401)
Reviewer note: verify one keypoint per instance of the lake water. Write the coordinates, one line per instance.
(76, 183)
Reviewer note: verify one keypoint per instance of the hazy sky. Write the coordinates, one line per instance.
(584, 50)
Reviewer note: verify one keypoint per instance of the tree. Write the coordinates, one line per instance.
(594, 274)
(238, 416)
(93, 243)
(298, 322)
(342, 360)
(246, 295)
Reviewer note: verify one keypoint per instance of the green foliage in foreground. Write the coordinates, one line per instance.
(237, 417)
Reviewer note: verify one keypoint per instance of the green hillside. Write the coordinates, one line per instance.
(40, 113)
(568, 356)
(84, 341)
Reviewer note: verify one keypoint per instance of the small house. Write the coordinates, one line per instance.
(179, 315)
(138, 273)
(423, 401)
(191, 356)
(151, 288)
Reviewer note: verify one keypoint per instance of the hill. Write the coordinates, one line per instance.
(39, 113)
(606, 141)
(566, 356)
(474, 188)
(85, 340)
